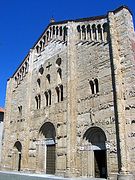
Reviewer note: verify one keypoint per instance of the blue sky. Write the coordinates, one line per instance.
(23, 21)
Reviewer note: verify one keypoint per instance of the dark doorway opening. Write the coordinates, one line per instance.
(48, 133)
(50, 159)
(18, 146)
(97, 138)
(100, 164)
(19, 162)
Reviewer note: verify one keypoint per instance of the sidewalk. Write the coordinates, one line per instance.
(6, 175)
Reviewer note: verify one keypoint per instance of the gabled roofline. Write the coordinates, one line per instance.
(19, 65)
(92, 18)
(74, 20)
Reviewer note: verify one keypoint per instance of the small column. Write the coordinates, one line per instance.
(50, 33)
(102, 34)
(86, 35)
(81, 33)
(96, 33)
(63, 35)
(49, 38)
(91, 34)
(55, 32)
(44, 40)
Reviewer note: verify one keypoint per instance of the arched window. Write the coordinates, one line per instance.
(38, 101)
(105, 31)
(48, 78)
(16, 81)
(57, 31)
(53, 30)
(65, 33)
(96, 84)
(78, 28)
(20, 110)
(88, 32)
(41, 70)
(38, 82)
(44, 39)
(61, 92)
(50, 35)
(58, 94)
(99, 32)
(92, 87)
(47, 36)
(83, 32)
(79, 32)
(94, 31)
(46, 98)
(49, 92)
(21, 75)
(37, 49)
(58, 61)
(61, 31)
(40, 45)
(26, 67)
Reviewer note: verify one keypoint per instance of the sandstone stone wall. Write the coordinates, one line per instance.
(74, 92)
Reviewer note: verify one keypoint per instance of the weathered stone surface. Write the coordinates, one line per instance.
(70, 105)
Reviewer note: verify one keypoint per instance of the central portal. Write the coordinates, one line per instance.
(95, 139)
(47, 148)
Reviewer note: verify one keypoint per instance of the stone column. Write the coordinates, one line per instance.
(96, 33)
(80, 33)
(86, 35)
(91, 31)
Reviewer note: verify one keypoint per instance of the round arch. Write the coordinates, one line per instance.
(95, 142)
(47, 148)
(18, 146)
(96, 136)
(47, 130)
(17, 155)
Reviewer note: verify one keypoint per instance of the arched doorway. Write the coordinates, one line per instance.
(96, 139)
(17, 155)
(47, 138)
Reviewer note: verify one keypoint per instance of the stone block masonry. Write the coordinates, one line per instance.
(70, 104)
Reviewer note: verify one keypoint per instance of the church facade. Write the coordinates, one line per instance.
(70, 106)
